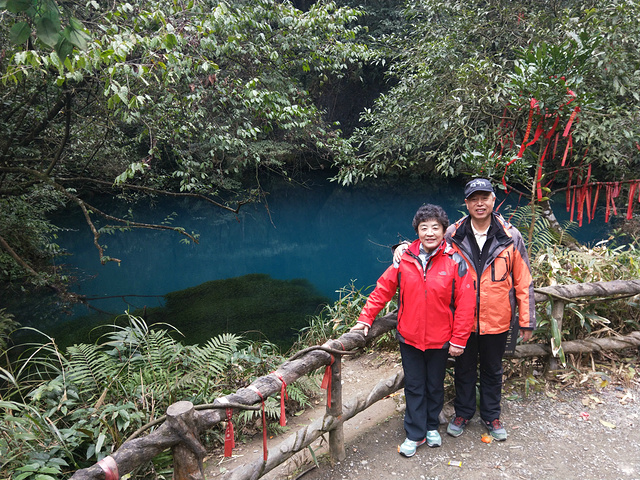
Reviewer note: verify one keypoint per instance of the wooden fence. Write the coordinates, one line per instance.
(180, 429)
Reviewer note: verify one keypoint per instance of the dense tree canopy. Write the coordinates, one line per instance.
(150, 97)
(497, 88)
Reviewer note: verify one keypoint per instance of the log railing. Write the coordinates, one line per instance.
(184, 422)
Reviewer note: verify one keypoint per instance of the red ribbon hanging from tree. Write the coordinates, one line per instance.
(595, 202)
(632, 192)
(568, 194)
(615, 192)
(283, 395)
(229, 440)
(582, 196)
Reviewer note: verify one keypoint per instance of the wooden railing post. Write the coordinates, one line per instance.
(336, 436)
(557, 313)
(188, 454)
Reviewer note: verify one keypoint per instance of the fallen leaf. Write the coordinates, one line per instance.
(595, 399)
(486, 438)
(607, 424)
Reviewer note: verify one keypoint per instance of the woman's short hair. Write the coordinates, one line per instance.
(430, 212)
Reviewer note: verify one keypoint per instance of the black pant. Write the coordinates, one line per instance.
(488, 351)
(423, 389)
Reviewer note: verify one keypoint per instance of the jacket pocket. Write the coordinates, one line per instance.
(501, 267)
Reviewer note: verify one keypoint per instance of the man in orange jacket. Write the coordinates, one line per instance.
(499, 265)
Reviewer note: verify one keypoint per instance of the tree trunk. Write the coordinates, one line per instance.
(557, 231)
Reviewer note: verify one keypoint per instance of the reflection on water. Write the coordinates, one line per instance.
(327, 234)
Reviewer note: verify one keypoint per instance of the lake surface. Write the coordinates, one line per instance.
(330, 235)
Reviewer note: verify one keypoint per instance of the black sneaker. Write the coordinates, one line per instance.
(496, 430)
(456, 426)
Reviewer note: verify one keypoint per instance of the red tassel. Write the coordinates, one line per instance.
(229, 442)
(265, 451)
(326, 381)
(283, 396)
(589, 204)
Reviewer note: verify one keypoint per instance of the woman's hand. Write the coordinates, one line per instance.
(455, 351)
(360, 326)
(397, 253)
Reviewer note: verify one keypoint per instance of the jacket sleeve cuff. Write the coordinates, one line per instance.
(458, 342)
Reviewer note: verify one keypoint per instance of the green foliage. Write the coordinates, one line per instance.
(554, 265)
(543, 236)
(336, 319)
(44, 16)
(7, 325)
(164, 98)
(61, 412)
(466, 74)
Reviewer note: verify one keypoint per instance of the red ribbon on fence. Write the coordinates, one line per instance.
(229, 441)
(265, 451)
(283, 395)
(326, 381)
(110, 468)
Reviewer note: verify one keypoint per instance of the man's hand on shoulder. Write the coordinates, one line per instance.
(397, 253)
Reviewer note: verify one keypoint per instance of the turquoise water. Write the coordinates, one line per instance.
(330, 235)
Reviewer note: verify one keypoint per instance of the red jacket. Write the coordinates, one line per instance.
(435, 306)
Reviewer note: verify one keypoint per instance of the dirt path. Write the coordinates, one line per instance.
(586, 430)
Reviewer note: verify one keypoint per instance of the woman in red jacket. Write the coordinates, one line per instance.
(436, 306)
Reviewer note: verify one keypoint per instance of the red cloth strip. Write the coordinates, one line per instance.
(566, 150)
(283, 396)
(326, 380)
(570, 122)
(608, 203)
(568, 195)
(595, 202)
(110, 468)
(229, 440)
(632, 192)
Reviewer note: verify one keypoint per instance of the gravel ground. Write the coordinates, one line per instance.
(578, 432)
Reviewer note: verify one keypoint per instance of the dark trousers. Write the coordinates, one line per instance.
(423, 389)
(487, 350)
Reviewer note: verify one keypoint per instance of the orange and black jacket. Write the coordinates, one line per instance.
(501, 275)
(435, 304)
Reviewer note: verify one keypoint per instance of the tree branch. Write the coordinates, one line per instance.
(65, 139)
(159, 192)
(16, 257)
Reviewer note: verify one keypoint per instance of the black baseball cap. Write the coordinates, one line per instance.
(477, 185)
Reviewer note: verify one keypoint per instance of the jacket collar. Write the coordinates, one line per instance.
(499, 228)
